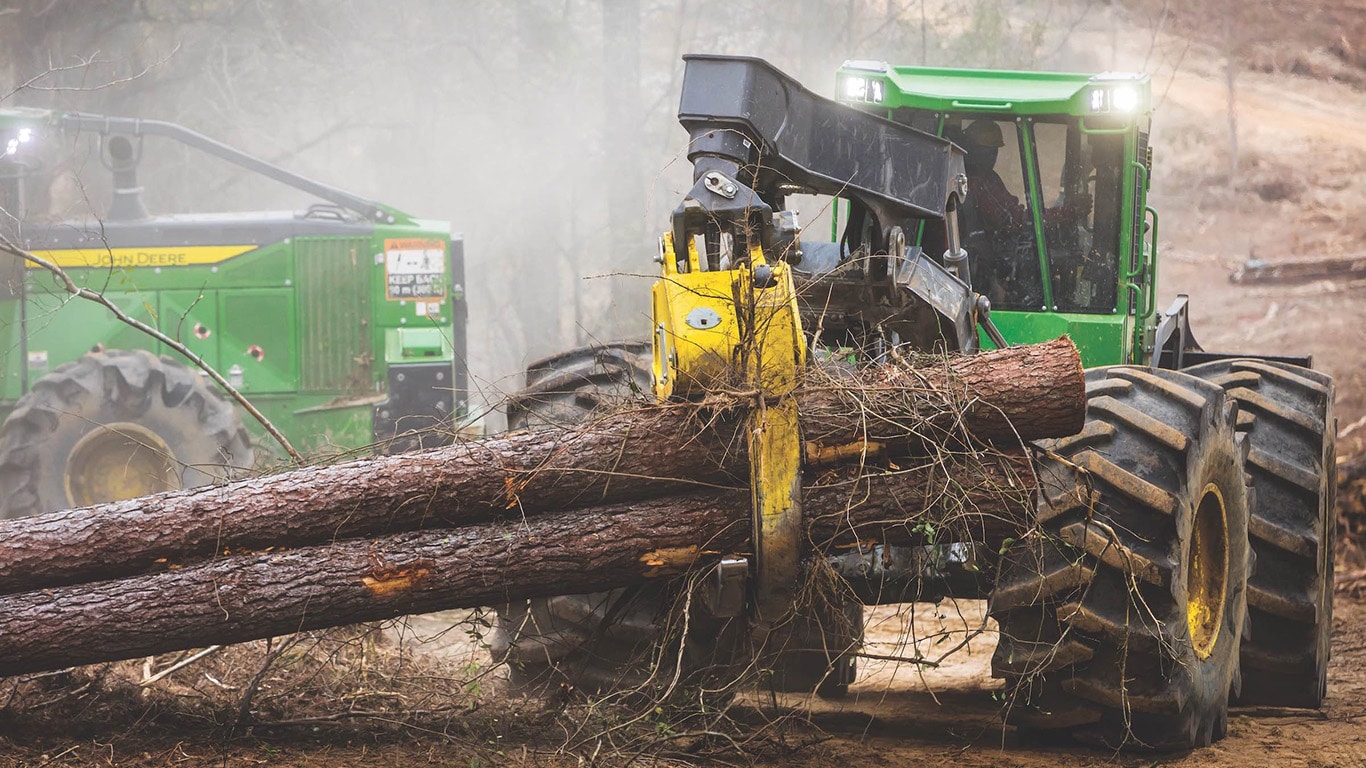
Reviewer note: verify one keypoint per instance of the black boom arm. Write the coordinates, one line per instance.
(756, 134)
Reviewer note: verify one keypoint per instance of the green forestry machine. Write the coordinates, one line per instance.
(979, 209)
(343, 323)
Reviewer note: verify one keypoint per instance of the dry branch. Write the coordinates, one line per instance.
(1038, 390)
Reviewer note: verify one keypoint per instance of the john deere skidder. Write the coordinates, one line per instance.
(982, 209)
(344, 323)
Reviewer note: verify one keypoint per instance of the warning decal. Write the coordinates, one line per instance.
(415, 269)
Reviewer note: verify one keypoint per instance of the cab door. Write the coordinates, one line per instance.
(1082, 188)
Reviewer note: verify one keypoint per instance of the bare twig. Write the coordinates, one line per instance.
(1354, 426)
(179, 665)
(32, 83)
(899, 659)
(244, 708)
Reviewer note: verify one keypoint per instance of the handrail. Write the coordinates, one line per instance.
(76, 121)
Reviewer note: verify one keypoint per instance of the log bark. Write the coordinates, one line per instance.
(1002, 396)
(1255, 272)
(249, 596)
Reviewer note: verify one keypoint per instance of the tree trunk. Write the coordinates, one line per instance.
(248, 596)
(648, 452)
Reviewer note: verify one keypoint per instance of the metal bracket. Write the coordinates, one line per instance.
(983, 305)
(1175, 324)
(724, 594)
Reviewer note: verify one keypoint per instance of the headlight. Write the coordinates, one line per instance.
(1124, 98)
(23, 137)
(863, 89)
(1116, 92)
(855, 88)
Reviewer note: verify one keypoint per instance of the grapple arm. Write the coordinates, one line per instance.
(766, 136)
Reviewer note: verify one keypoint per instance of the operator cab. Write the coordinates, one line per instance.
(1077, 201)
(1057, 169)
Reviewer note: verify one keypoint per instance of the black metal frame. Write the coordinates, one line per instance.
(1175, 347)
(128, 126)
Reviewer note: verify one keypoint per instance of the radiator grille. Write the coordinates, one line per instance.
(334, 310)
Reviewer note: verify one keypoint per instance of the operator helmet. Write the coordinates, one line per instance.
(984, 133)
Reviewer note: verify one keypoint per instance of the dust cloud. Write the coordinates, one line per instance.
(545, 132)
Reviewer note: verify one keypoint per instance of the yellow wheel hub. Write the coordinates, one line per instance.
(119, 461)
(1207, 571)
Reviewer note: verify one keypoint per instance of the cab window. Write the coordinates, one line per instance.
(996, 220)
(1080, 179)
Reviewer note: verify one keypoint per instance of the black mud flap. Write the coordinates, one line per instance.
(417, 414)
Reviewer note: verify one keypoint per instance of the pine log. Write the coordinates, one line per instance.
(249, 596)
(1003, 396)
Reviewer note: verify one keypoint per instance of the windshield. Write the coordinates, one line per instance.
(997, 218)
(1080, 177)
(1078, 198)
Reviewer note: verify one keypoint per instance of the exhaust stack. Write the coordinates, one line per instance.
(123, 160)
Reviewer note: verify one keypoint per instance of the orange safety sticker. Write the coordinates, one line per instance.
(414, 269)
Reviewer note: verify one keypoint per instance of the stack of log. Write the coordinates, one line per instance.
(636, 494)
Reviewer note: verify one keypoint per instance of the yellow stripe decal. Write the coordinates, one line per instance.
(155, 256)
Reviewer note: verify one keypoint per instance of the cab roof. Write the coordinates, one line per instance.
(985, 90)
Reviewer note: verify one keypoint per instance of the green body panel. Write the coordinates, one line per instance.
(926, 97)
(51, 318)
(259, 337)
(393, 311)
(303, 312)
(190, 317)
(416, 345)
(1100, 339)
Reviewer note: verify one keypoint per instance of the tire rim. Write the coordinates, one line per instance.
(119, 461)
(1207, 571)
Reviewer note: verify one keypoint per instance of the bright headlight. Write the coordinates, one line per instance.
(855, 88)
(24, 136)
(1124, 99)
(1116, 92)
(862, 89)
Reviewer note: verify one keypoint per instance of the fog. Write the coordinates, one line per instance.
(545, 132)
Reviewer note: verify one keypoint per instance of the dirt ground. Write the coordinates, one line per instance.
(947, 716)
(1300, 192)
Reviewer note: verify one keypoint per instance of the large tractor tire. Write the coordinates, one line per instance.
(1287, 414)
(1121, 616)
(567, 388)
(116, 425)
(596, 642)
(626, 638)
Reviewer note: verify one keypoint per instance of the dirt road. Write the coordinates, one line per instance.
(948, 716)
